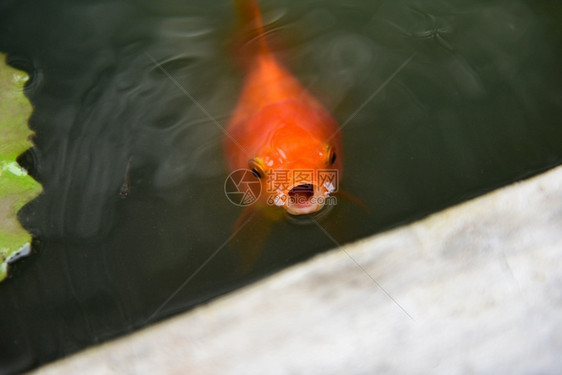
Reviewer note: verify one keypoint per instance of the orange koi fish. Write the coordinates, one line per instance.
(280, 132)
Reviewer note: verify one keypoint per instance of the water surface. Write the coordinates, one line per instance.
(441, 100)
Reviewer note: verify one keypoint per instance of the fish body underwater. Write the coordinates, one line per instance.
(279, 131)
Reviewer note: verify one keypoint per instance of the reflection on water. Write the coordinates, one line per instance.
(133, 224)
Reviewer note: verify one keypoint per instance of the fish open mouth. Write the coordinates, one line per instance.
(301, 194)
(304, 199)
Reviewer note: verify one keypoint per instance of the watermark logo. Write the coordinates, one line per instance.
(275, 200)
(282, 179)
(242, 188)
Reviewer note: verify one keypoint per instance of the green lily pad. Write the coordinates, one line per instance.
(16, 186)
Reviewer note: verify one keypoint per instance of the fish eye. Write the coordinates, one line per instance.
(330, 153)
(256, 167)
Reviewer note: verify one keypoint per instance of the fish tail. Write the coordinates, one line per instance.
(250, 15)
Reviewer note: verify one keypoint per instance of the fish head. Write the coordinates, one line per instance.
(298, 172)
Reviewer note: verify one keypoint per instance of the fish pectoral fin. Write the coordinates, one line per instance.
(245, 217)
(353, 199)
(251, 237)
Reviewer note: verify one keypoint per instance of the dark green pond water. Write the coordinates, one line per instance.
(442, 101)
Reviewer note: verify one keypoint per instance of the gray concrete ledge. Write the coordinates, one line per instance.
(475, 289)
